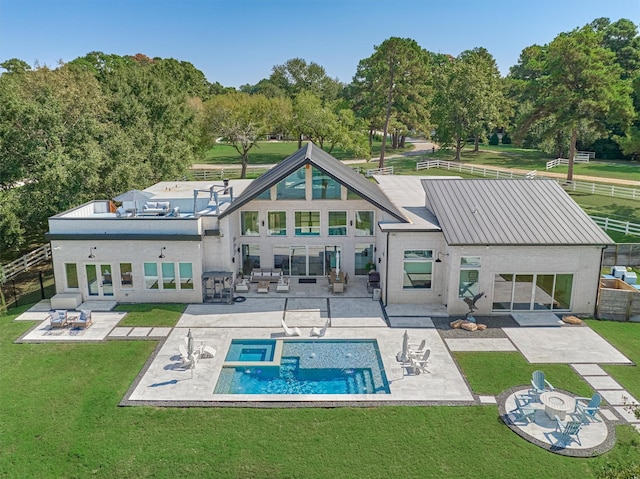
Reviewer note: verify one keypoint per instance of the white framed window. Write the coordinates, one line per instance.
(249, 223)
(277, 223)
(71, 274)
(307, 223)
(364, 223)
(418, 268)
(337, 223)
(126, 276)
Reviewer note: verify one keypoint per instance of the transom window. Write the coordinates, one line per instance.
(307, 223)
(337, 223)
(418, 265)
(324, 187)
(364, 223)
(277, 223)
(249, 222)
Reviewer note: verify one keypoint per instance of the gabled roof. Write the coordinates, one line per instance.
(322, 160)
(510, 212)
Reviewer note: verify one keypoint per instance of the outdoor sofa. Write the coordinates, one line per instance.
(271, 275)
(156, 208)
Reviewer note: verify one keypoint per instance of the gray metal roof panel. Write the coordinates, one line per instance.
(328, 164)
(510, 212)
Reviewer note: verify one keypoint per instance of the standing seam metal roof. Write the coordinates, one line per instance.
(510, 212)
(327, 164)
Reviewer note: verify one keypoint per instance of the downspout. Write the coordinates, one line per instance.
(386, 272)
(598, 285)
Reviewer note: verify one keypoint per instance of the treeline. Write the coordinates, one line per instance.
(102, 124)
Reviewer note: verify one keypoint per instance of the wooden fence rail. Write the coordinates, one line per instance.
(600, 189)
(9, 270)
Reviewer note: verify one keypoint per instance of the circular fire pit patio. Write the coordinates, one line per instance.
(595, 437)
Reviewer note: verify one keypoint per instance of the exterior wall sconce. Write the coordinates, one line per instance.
(438, 260)
(262, 222)
(238, 249)
(91, 250)
(350, 222)
(162, 252)
(233, 260)
(379, 260)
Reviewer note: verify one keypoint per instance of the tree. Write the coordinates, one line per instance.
(240, 119)
(391, 79)
(577, 82)
(297, 76)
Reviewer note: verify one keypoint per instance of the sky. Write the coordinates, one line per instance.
(237, 42)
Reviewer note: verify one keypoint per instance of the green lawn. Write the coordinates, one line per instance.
(60, 418)
(507, 156)
(272, 152)
(155, 314)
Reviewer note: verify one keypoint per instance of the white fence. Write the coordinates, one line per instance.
(625, 227)
(590, 154)
(580, 157)
(387, 170)
(19, 265)
(218, 174)
(578, 186)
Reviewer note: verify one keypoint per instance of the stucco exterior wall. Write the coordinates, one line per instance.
(113, 253)
(581, 261)
(392, 268)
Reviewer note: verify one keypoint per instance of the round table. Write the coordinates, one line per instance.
(557, 404)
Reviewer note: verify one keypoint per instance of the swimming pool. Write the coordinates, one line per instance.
(304, 367)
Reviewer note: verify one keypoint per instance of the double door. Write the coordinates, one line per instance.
(99, 280)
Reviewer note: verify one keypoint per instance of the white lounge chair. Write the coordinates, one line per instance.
(207, 352)
(418, 351)
(83, 321)
(290, 331)
(420, 363)
(319, 332)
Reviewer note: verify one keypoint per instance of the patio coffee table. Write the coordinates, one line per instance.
(557, 404)
(263, 286)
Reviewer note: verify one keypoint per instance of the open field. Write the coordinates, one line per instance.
(59, 404)
(272, 152)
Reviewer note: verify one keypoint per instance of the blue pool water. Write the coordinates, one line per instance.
(251, 350)
(309, 367)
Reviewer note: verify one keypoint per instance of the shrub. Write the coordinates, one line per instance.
(506, 139)
(494, 140)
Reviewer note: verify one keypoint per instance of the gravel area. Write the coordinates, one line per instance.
(494, 325)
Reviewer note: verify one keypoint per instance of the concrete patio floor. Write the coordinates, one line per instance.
(595, 437)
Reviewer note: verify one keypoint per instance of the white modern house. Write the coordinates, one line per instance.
(435, 241)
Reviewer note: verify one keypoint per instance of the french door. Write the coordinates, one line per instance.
(99, 280)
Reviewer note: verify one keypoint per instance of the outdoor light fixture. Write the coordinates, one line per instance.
(91, 250)
(438, 260)
(379, 260)
(162, 252)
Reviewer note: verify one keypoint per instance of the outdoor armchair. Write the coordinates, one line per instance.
(539, 385)
(58, 318)
(523, 410)
(588, 408)
(83, 321)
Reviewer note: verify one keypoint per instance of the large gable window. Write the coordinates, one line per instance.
(324, 187)
(293, 187)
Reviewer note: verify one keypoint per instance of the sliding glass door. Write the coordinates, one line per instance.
(532, 292)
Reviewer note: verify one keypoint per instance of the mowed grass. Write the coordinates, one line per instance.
(272, 152)
(60, 418)
(154, 314)
(508, 156)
